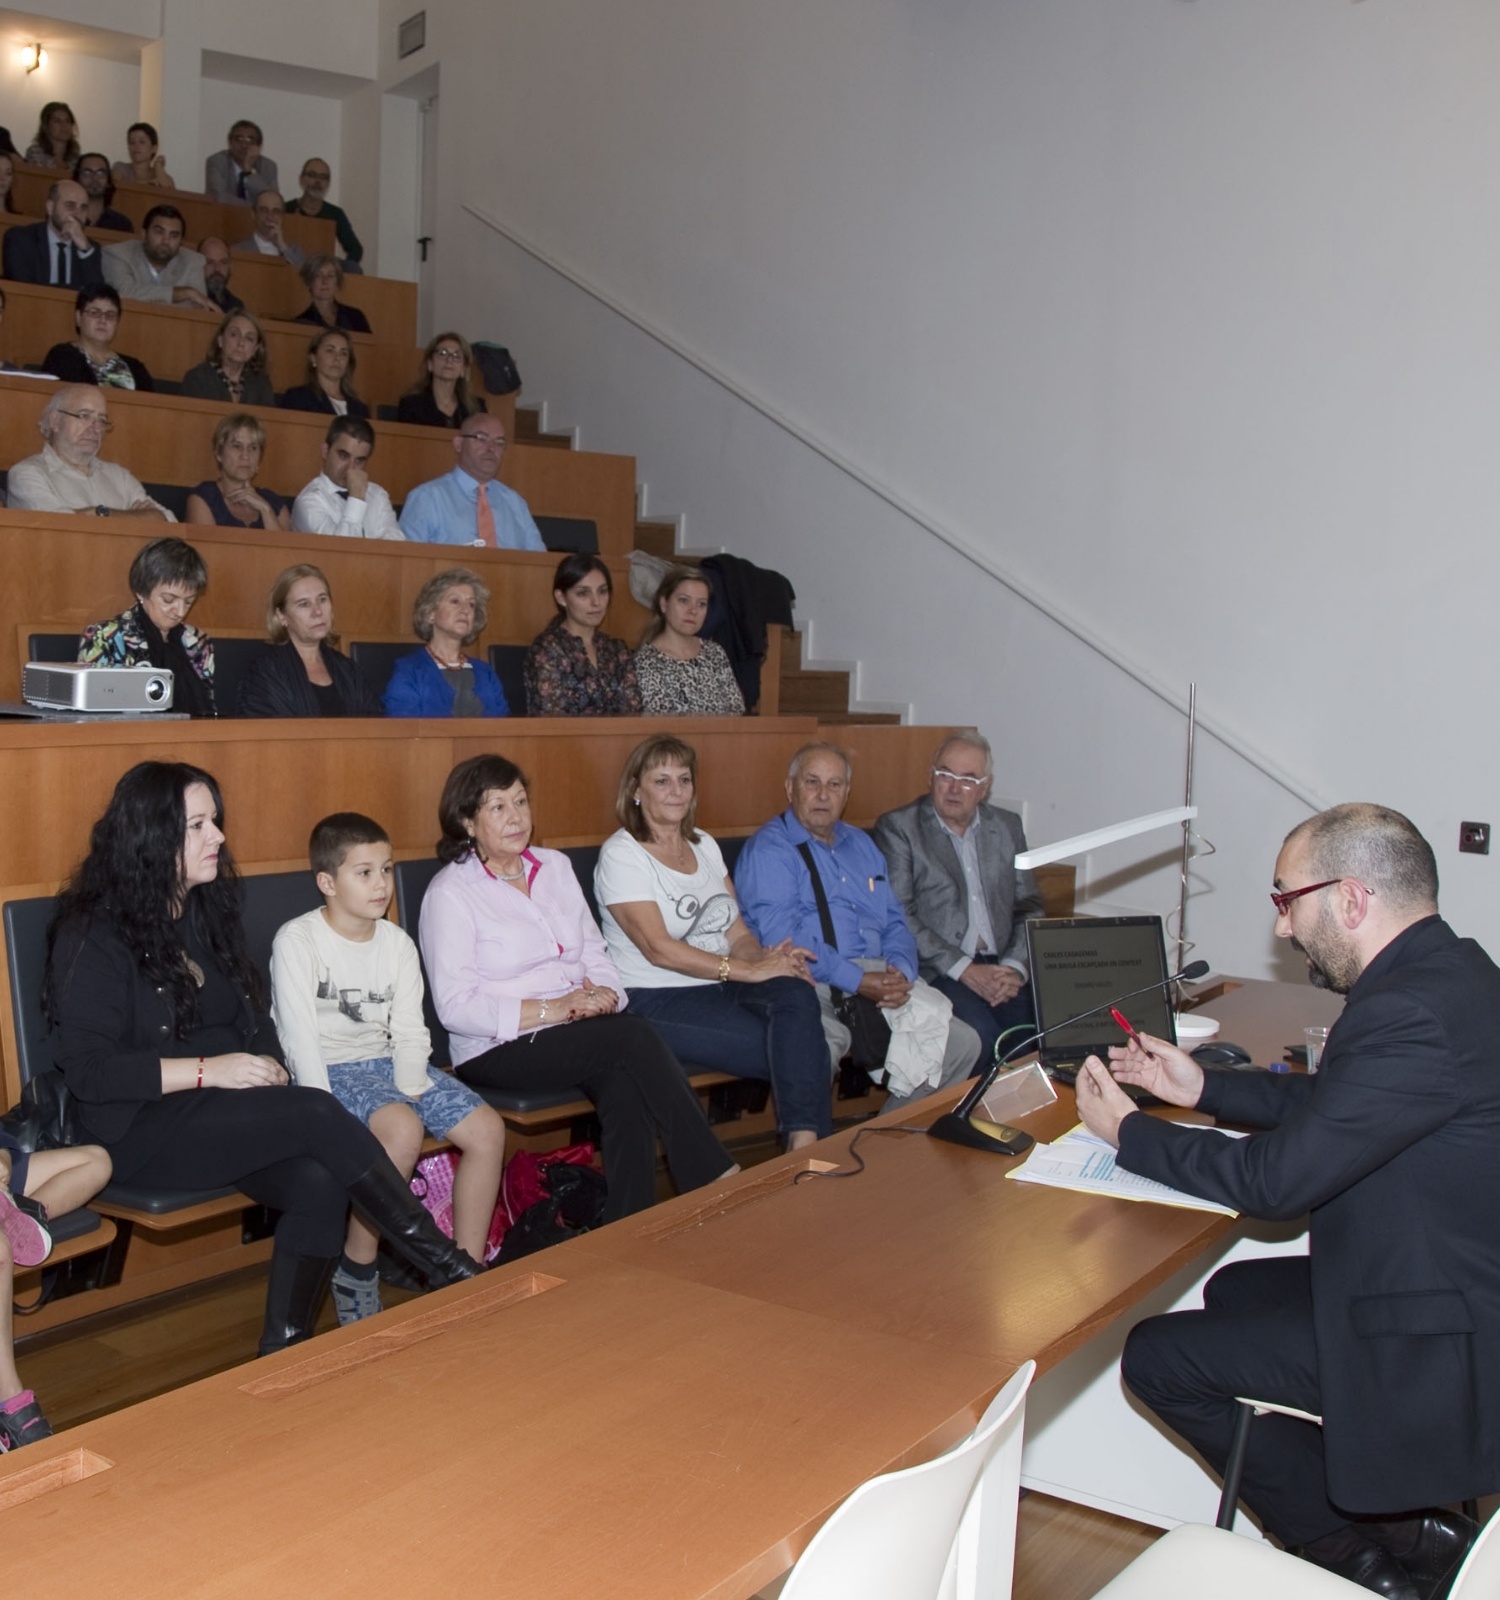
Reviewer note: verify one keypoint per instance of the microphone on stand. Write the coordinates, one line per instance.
(959, 1126)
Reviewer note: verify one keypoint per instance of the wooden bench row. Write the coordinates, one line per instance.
(166, 439)
(171, 340)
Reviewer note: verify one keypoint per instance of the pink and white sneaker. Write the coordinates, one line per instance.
(30, 1243)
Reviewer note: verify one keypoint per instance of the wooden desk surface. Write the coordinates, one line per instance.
(621, 1433)
(666, 1408)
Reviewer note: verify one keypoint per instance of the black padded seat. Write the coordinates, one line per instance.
(509, 664)
(232, 659)
(52, 646)
(377, 658)
(174, 496)
(579, 534)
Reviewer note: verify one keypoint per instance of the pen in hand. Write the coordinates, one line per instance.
(1134, 1037)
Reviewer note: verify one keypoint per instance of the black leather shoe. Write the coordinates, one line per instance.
(1361, 1561)
(1432, 1549)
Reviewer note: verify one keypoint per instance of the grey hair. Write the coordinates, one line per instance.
(434, 589)
(1379, 847)
(975, 740)
(795, 766)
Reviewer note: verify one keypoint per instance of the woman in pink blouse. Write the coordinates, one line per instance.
(523, 984)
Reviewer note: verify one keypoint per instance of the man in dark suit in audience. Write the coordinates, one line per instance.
(56, 251)
(953, 867)
(217, 266)
(1389, 1328)
(241, 172)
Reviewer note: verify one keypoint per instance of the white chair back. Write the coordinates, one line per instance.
(1479, 1577)
(896, 1536)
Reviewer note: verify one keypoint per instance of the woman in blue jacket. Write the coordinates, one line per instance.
(439, 680)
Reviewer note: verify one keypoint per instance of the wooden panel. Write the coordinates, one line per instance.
(167, 439)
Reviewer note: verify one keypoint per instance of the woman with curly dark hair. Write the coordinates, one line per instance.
(523, 984)
(161, 1033)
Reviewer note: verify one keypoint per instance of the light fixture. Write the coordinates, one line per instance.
(35, 57)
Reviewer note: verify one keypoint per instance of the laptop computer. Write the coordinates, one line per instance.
(1083, 962)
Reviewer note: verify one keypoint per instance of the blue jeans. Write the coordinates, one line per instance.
(770, 1031)
(988, 1021)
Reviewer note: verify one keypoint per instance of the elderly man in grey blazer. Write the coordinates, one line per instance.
(952, 862)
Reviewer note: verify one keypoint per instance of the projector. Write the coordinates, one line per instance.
(75, 686)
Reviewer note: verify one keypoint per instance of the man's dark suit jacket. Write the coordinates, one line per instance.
(1394, 1147)
(27, 258)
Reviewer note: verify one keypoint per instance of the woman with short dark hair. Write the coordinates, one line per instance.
(92, 357)
(161, 1033)
(146, 164)
(522, 982)
(302, 674)
(439, 680)
(574, 668)
(166, 578)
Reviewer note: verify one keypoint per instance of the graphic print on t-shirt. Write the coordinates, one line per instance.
(352, 1002)
(708, 920)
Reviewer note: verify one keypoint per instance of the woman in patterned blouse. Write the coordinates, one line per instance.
(680, 674)
(572, 669)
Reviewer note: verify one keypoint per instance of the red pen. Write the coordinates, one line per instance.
(1124, 1022)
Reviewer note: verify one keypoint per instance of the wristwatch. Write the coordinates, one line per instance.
(101, 511)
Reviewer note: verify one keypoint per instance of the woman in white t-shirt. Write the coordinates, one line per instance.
(688, 961)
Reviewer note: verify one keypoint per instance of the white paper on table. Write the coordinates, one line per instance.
(1082, 1162)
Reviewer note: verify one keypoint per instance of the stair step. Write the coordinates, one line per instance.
(865, 719)
(529, 431)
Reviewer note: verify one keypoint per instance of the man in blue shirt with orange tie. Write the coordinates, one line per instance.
(469, 505)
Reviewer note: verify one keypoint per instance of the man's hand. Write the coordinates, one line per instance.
(1160, 1069)
(357, 483)
(72, 230)
(145, 508)
(1102, 1104)
(994, 985)
(182, 295)
(888, 989)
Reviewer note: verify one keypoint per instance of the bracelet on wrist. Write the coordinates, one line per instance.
(723, 969)
(541, 1015)
(199, 1083)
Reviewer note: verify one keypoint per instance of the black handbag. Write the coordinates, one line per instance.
(869, 1032)
(498, 367)
(46, 1116)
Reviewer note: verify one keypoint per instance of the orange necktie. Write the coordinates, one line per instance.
(485, 520)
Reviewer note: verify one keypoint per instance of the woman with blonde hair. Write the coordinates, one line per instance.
(231, 500)
(441, 397)
(690, 965)
(439, 680)
(302, 673)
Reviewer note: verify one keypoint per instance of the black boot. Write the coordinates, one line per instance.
(294, 1297)
(389, 1206)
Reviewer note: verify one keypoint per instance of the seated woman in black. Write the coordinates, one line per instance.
(330, 367)
(166, 578)
(235, 367)
(301, 674)
(161, 1032)
(441, 397)
(324, 278)
(232, 500)
(92, 357)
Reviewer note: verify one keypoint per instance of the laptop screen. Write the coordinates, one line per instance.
(1079, 962)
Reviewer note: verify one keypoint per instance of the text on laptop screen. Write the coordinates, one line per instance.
(1079, 962)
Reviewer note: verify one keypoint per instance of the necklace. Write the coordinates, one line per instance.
(447, 666)
(504, 877)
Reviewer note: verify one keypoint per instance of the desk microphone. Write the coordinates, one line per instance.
(959, 1126)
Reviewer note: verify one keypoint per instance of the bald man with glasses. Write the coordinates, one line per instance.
(67, 475)
(953, 868)
(470, 505)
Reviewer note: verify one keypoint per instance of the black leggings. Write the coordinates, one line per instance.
(638, 1088)
(295, 1150)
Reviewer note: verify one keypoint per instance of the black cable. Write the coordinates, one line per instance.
(859, 1160)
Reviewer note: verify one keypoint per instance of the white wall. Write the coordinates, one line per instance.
(1182, 315)
(104, 96)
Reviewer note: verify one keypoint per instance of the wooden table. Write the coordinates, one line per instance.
(667, 1408)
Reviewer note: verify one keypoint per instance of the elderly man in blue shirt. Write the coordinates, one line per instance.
(873, 953)
(469, 505)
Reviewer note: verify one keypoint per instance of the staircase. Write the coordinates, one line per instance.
(787, 688)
